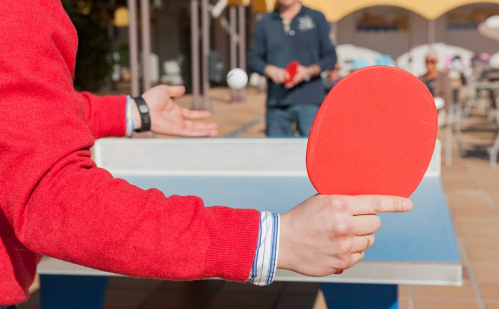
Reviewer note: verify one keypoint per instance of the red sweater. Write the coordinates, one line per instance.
(54, 200)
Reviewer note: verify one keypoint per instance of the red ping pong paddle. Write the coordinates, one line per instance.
(374, 134)
(292, 69)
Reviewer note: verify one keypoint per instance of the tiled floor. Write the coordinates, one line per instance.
(472, 190)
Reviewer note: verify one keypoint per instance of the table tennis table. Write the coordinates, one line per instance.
(417, 248)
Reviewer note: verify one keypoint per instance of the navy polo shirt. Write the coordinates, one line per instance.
(307, 41)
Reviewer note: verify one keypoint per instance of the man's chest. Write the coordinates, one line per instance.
(300, 33)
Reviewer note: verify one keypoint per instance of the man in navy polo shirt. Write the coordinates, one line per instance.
(292, 32)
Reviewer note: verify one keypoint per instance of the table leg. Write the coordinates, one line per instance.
(75, 292)
(372, 296)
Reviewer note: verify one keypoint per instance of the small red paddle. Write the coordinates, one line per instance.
(374, 134)
(292, 69)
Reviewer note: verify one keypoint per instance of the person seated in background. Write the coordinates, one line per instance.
(437, 82)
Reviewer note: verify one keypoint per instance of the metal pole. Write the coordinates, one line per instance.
(242, 37)
(205, 20)
(431, 32)
(242, 46)
(195, 53)
(133, 48)
(146, 43)
(233, 37)
(334, 32)
(233, 47)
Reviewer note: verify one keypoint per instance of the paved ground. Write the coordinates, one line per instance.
(472, 189)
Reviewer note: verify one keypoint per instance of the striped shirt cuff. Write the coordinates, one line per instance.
(130, 124)
(267, 249)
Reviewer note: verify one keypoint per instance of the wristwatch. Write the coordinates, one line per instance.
(145, 117)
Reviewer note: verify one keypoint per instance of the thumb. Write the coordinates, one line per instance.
(176, 91)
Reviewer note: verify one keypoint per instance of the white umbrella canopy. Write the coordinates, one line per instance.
(490, 28)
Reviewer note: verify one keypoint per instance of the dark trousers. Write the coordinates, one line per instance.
(280, 119)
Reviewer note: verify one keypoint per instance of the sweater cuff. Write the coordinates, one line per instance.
(116, 107)
(233, 240)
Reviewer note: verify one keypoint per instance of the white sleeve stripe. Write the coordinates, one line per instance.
(128, 118)
(264, 263)
(255, 261)
(270, 278)
(266, 249)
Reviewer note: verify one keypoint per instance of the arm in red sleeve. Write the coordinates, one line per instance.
(105, 115)
(59, 204)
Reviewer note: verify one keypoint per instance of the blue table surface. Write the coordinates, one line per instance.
(423, 235)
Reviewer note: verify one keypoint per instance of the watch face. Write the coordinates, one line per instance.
(143, 109)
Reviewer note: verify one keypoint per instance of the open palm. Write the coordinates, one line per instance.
(169, 118)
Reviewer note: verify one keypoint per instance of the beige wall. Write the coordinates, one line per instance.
(402, 45)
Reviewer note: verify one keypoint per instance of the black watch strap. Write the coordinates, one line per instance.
(145, 117)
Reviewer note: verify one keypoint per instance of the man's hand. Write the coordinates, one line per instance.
(327, 234)
(169, 118)
(277, 75)
(304, 74)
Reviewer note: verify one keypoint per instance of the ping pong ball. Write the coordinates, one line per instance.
(439, 103)
(237, 79)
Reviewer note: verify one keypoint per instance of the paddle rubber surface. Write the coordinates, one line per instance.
(374, 134)
(292, 69)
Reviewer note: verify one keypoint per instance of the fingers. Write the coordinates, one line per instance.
(195, 115)
(199, 129)
(365, 225)
(176, 91)
(356, 257)
(200, 125)
(374, 204)
(199, 133)
(361, 244)
(280, 76)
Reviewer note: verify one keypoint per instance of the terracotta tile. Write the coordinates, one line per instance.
(484, 256)
(403, 304)
(485, 273)
(320, 301)
(490, 291)
(484, 221)
(445, 305)
(403, 290)
(480, 231)
(492, 305)
(422, 292)
(479, 243)
(473, 211)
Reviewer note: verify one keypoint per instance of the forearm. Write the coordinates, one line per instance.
(257, 64)
(106, 116)
(314, 70)
(107, 224)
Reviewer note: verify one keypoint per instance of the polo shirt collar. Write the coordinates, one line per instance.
(277, 15)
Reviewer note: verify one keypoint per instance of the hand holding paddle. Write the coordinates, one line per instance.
(277, 75)
(327, 234)
(372, 140)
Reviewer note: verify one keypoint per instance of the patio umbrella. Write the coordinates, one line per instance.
(490, 28)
